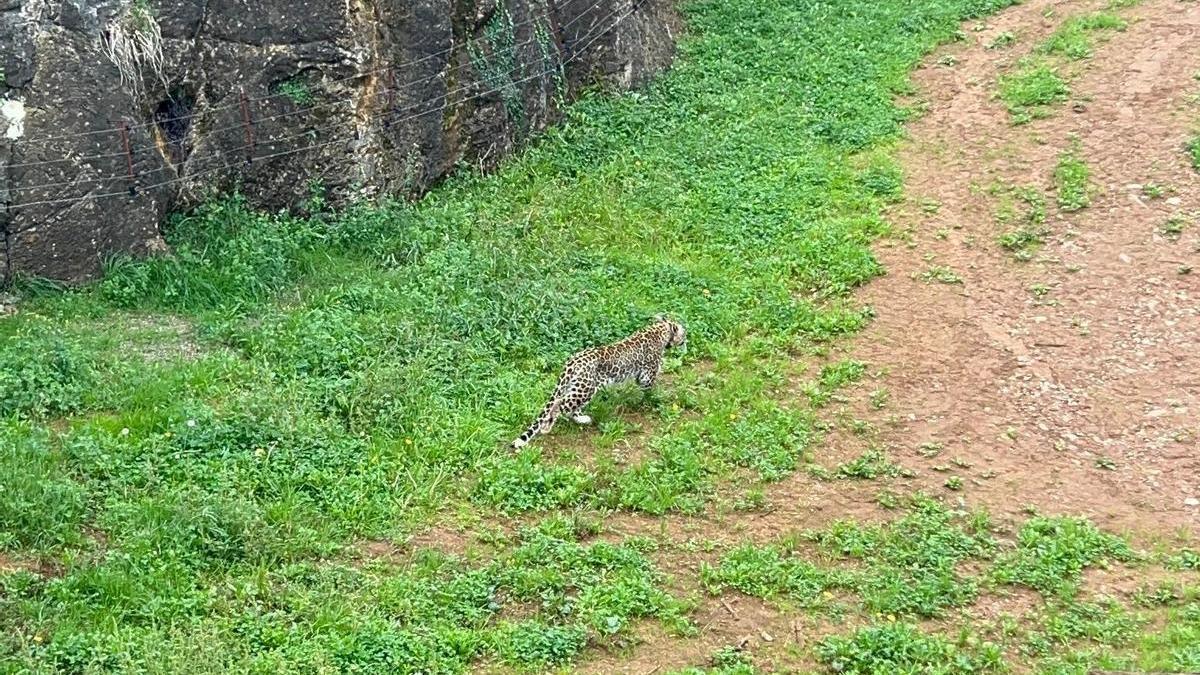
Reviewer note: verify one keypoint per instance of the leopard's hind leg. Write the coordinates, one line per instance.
(576, 407)
(577, 398)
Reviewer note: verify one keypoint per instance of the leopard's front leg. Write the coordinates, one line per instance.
(648, 375)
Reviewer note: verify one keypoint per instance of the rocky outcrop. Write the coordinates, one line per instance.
(114, 113)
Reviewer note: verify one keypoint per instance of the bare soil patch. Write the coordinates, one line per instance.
(43, 567)
(1068, 382)
(166, 338)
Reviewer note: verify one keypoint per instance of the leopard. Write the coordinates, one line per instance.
(637, 358)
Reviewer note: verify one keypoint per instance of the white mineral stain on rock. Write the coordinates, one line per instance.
(13, 112)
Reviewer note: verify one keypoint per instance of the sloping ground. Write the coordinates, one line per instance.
(1057, 377)
(283, 450)
(207, 460)
(1068, 381)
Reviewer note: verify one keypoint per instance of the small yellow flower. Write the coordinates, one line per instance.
(408, 441)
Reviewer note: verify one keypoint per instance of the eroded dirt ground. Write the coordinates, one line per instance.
(1074, 378)
(1068, 383)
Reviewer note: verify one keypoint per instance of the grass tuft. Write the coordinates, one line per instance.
(1051, 554)
(871, 464)
(1072, 181)
(903, 648)
(1192, 148)
(1031, 91)
(1074, 38)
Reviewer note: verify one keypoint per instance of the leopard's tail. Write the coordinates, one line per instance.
(546, 418)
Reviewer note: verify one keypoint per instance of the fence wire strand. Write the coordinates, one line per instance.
(467, 44)
(586, 41)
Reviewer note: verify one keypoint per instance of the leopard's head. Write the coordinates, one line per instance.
(676, 333)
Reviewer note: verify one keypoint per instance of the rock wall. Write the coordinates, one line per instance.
(114, 113)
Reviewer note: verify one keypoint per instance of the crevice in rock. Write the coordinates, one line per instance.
(5, 266)
(173, 120)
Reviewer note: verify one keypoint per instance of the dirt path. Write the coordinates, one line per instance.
(1070, 382)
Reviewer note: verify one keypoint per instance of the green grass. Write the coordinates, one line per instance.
(908, 567)
(904, 568)
(916, 567)
(1002, 40)
(540, 603)
(49, 375)
(770, 572)
(903, 648)
(295, 90)
(1023, 241)
(872, 463)
(1051, 554)
(1175, 648)
(726, 661)
(40, 506)
(1154, 190)
(1174, 226)
(834, 376)
(940, 274)
(1028, 229)
(1072, 181)
(1074, 38)
(1105, 623)
(1186, 559)
(1032, 90)
(1041, 80)
(1192, 148)
(1083, 636)
(197, 443)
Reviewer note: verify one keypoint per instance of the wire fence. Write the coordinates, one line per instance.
(380, 102)
(356, 76)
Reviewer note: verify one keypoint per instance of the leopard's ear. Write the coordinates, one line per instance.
(659, 318)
